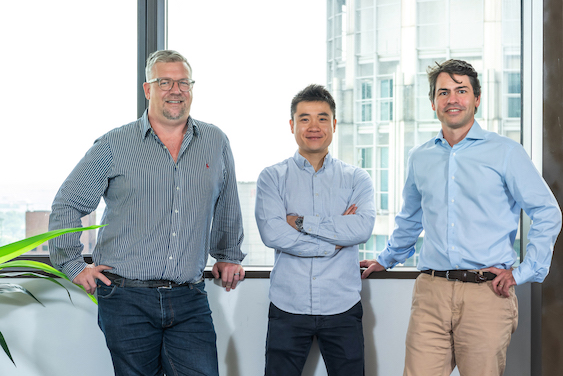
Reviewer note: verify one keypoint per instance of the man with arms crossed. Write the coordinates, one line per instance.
(170, 190)
(465, 189)
(314, 210)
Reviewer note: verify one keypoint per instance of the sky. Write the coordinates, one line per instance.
(72, 78)
(249, 59)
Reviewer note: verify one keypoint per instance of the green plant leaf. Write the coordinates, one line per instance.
(12, 250)
(12, 287)
(34, 265)
(37, 275)
(5, 347)
(44, 267)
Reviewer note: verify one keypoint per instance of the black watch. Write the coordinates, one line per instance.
(299, 224)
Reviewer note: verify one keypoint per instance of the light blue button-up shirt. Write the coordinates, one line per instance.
(310, 276)
(467, 199)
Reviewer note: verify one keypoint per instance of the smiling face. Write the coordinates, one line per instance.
(454, 102)
(313, 125)
(173, 106)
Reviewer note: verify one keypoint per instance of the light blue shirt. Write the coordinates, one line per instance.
(467, 199)
(310, 276)
(163, 217)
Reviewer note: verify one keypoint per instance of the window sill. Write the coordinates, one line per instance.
(251, 271)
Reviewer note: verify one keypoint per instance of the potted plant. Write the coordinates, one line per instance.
(10, 251)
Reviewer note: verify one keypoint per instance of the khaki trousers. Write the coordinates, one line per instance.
(458, 323)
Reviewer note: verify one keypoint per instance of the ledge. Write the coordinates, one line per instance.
(253, 271)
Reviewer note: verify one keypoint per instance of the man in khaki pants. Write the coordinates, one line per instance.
(465, 189)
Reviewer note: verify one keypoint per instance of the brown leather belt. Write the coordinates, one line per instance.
(462, 275)
(120, 281)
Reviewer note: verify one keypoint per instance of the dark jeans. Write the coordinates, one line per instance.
(156, 331)
(340, 338)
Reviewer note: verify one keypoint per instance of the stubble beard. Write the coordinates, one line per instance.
(168, 115)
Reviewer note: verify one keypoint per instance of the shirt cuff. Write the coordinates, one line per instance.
(73, 269)
(311, 224)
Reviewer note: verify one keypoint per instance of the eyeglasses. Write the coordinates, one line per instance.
(167, 84)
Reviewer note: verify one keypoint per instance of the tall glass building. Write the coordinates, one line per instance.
(377, 55)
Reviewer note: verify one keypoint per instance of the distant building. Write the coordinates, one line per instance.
(37, 222)
(377, 55)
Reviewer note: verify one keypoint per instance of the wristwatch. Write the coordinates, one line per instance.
(299, 224)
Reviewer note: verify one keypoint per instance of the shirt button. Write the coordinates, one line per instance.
(314, 278)
(170, 257)
(453, 177)
(453, 200)
(452, 225)
(177, 188)
(176, 211)
(173, 234)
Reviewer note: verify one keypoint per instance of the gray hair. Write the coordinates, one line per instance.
(164, 56)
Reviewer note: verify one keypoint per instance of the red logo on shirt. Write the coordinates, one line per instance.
(207, 166)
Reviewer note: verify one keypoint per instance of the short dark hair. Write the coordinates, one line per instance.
(451, 67)
(313, 93)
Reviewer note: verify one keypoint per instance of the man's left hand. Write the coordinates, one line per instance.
(230, 274)
(503, 281)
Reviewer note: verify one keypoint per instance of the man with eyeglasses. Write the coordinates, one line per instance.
(465, 188)
(170, 190)
(314, 210)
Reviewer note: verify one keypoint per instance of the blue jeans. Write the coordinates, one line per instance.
(157, 331)
(340, 338)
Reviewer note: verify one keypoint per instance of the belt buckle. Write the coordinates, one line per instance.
(168, 286)
(480, 278)
(448, 276)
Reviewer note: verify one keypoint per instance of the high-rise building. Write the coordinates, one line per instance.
(378, 52)
(37, 222)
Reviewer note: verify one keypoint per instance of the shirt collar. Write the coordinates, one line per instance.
(302, 162)
(146, 125)
(475, 133)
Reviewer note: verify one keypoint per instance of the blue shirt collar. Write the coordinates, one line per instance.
(475, 133)
(302, 162)
(146, 125)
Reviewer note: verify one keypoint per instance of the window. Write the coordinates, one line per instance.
(382, 181)
(386, 99)
(367, 249)
(371, 54)
(247, 69)
(88, 84)
(365, 103)
(393, 55)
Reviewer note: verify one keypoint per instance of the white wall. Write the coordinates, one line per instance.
(62, 339)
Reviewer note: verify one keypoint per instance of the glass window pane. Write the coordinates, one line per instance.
(78, 62)
(254, 59)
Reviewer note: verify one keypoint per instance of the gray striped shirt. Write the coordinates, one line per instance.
(163, 217)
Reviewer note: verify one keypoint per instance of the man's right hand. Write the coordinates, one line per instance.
(371, 266)
(87, 277)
